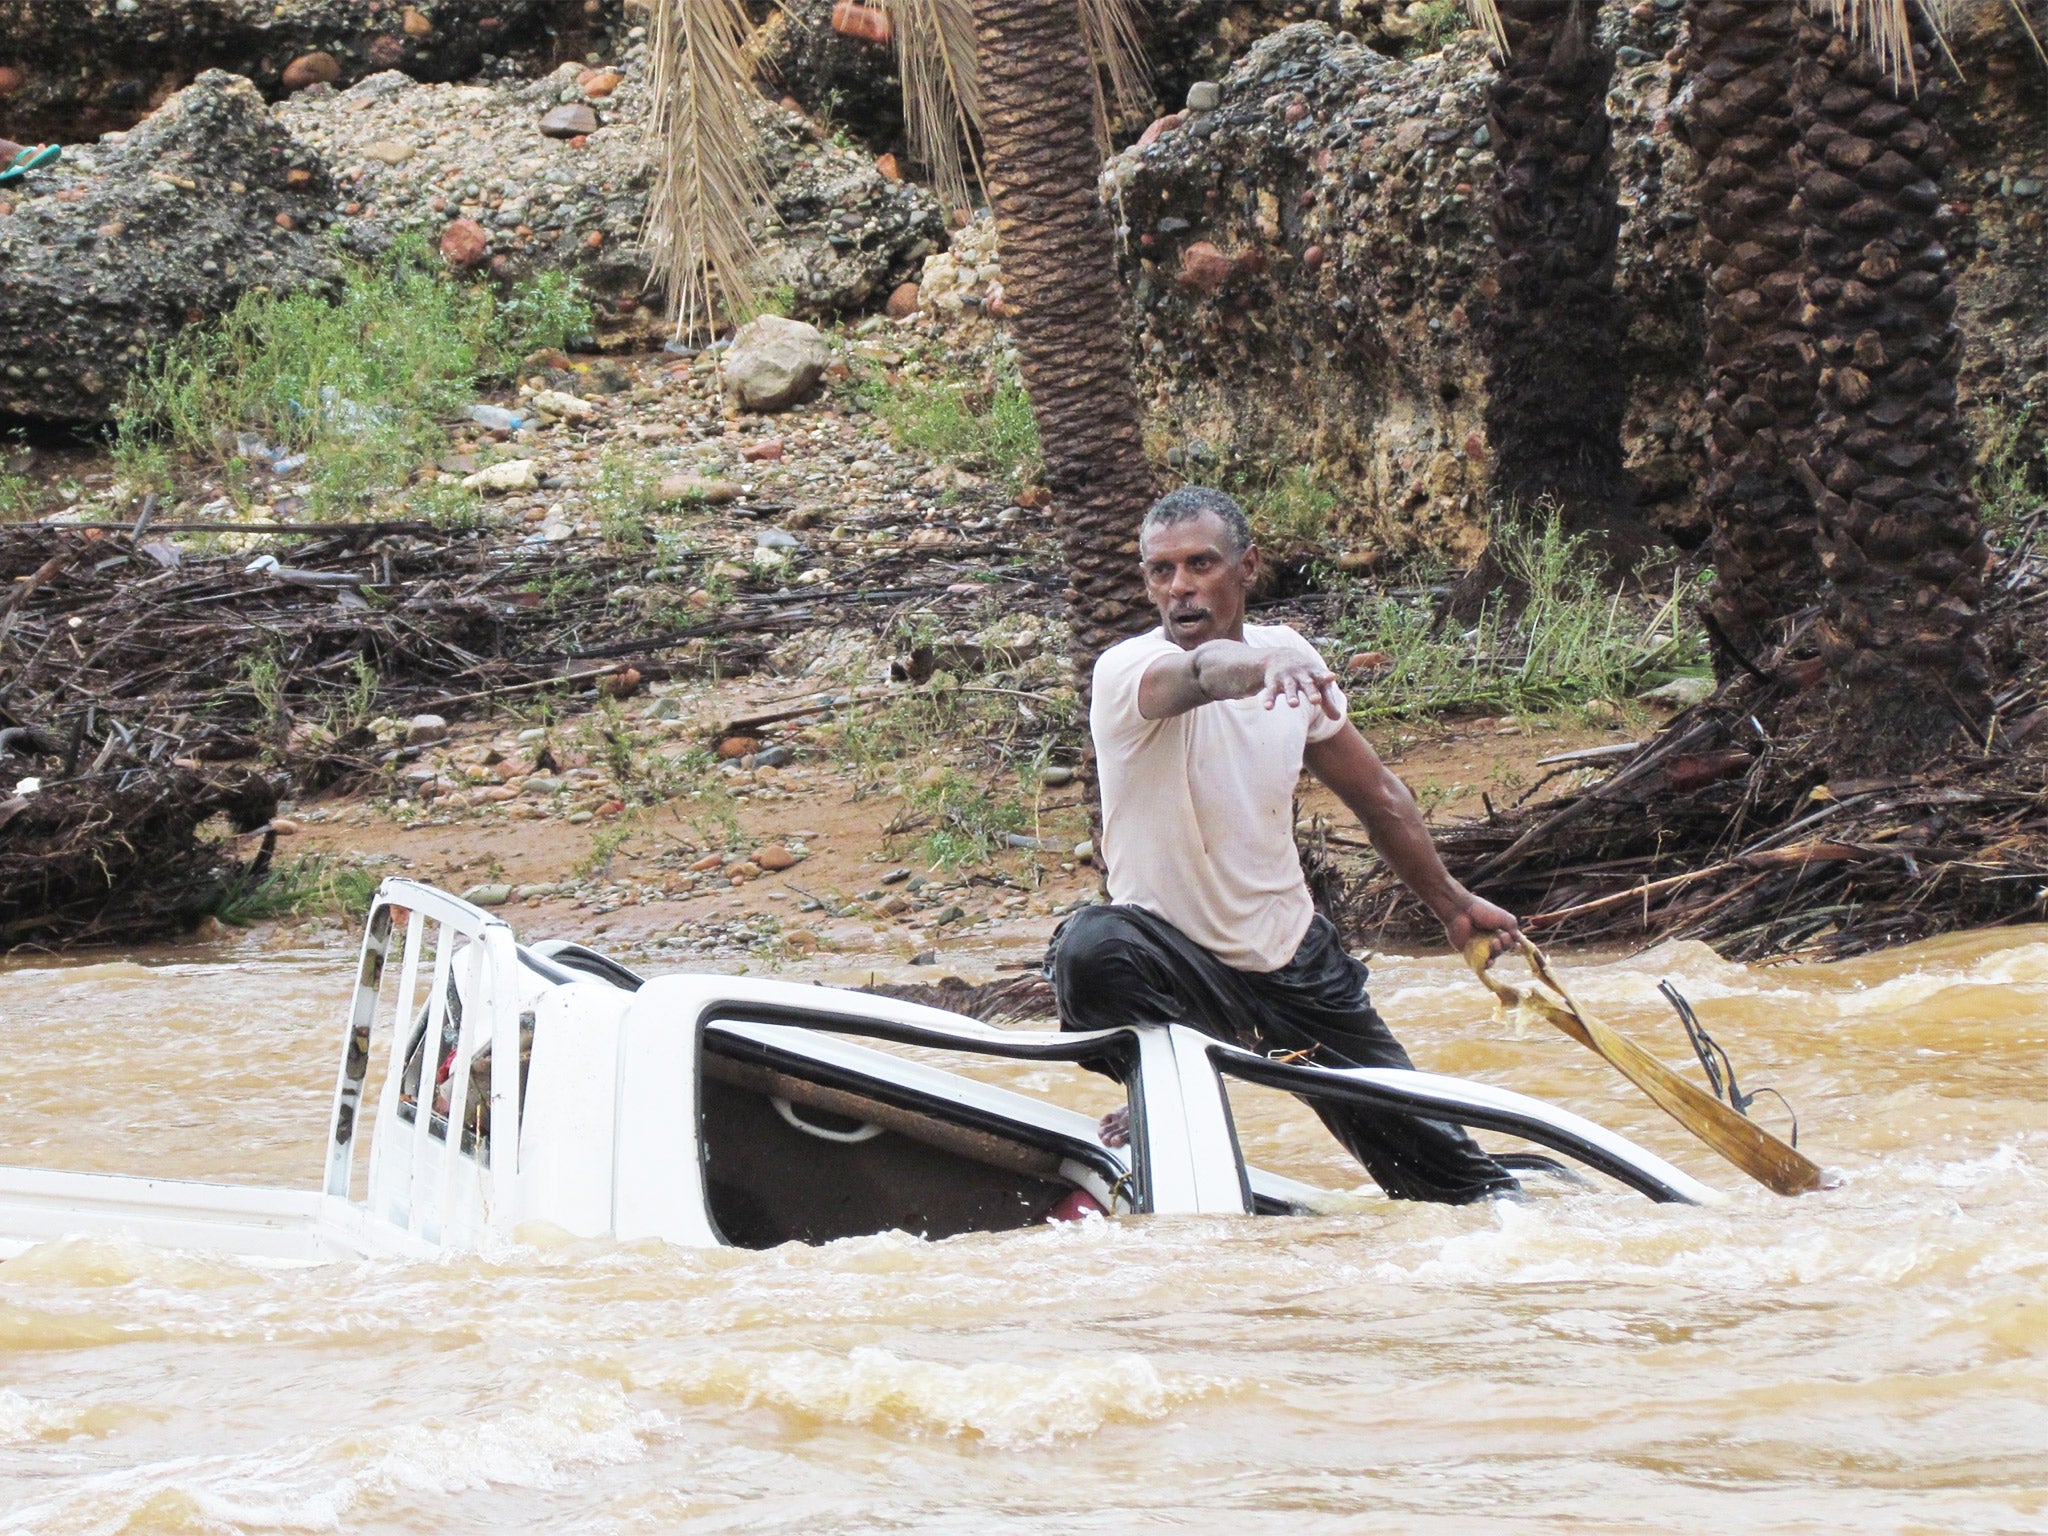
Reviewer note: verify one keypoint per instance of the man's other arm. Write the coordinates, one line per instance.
(1347, 763)
(1230, 669)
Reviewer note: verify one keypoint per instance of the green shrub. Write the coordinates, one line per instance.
(19, 498)
(984, 425)
(312, 883)
(549, 311)
(1571, 641)
(359, 381)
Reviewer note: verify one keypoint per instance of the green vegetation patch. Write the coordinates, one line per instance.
(981, 422)
(1570, 641)
(360, 382)
(313, 884)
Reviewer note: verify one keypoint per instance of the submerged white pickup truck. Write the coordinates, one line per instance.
(710, 1110)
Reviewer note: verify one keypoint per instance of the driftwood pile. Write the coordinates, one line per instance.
(131, 670)
(1730, 826)
(121, 854)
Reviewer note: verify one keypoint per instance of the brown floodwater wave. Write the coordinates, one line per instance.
(1873, 1359)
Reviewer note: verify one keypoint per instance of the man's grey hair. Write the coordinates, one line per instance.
(1193, 501)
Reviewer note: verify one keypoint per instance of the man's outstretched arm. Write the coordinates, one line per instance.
(1347, 763)
(1230, 669)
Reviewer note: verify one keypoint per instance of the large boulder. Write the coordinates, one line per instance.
(411, 157)
(775, 363)
(1306, 262)
(1313, 264)
(852, 83)
(123, 244)
(82, 67)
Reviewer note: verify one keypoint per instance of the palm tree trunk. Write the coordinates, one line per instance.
(1556, 390)
(1889, 469)
(1761, 365)
(1059, 277)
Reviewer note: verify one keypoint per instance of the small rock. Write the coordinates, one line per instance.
(311, 69)
(925, 957)
(620, 685)
(1366, 661)
(1204, 96)
(1160, 125)
(1204, 269)
(556, 403)
(949, 914)
(512, 475)
(902, 301)
(487, 895)
(775, 363)
(284, 826)
(710, 861)
(569, 122)
(599, 83)
(735, 747)
(697, 488)
(896, 877)
(775, 757)
(1601, 712)
(1056, 775)
(893, 905)
(887, 165)
(1085, 849)
(775, 857)
(1680, 693)
(763, 452)
(465, 244)
(389, 151)
(776, 538)
(425, 728)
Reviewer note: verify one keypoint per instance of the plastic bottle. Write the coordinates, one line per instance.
(496, 417)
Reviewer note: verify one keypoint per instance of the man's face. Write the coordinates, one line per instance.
(1195, 581)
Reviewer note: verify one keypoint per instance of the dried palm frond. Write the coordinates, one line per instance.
(1885, 27)
(1109, 29)
(712, 178)
(935, 51)
(1941, 15)
(1485, 16)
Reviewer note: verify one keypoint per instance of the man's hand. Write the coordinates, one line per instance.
(1115, 1129)
(1299, 679)
(1475, 917)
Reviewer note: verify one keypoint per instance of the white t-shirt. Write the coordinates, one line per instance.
(1198, 809)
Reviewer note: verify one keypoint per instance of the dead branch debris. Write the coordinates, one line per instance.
(128, 666)
(135, 852)
(1730, 826)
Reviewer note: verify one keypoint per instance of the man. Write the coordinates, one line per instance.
(1201, 729)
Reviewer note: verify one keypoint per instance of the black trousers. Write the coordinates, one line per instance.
(1112, 966)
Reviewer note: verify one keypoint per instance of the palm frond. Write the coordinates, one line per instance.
(935, 52)
(712, 177)
(1109, 30)
(1485, 16)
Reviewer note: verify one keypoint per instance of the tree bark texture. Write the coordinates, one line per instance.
(1059, 276)
(1556, 390)
(1889, 468)
(1761, 364)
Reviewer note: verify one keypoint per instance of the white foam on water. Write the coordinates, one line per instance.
(306, 1484)
(1008, 1405)
(24, 1420)
(580, 1424)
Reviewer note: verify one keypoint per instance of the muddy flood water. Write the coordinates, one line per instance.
(1873, 1359)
